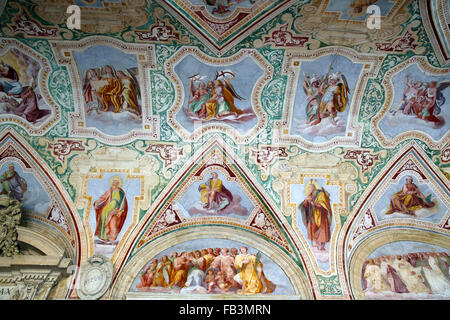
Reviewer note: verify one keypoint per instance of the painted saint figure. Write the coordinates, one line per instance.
(9, 80)
(326, 96)
(214, 194)
(311, 86)
(20, 100)
(409, 199)
(335, 95)
(200, 95)
(13, 184)
(251, 275)
(129, 96)
(106, 89)
(316, 214)
(110, 212)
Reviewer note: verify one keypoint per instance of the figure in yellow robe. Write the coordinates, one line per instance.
(251, 275)
(111, 93)
(213, 193)
(409, 199)
(163, 272)
(316, 214)
(222, 102)
(180, 271)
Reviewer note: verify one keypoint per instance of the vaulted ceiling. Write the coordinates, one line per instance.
(270, 98)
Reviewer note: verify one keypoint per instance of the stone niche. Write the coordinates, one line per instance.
(32, 265)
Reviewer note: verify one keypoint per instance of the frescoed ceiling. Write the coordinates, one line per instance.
(197, 144)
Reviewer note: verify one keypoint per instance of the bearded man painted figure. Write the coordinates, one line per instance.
(316, 214)
(409, 199)
(214, 194)
(110, 212)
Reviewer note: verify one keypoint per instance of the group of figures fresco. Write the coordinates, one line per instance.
(207, 271)
(16, 97)
(213, 99)
(106, 89)
(111, 89)
(222, 92)
(422, 99)
(323, 101)
(327, 95)
(411, 275)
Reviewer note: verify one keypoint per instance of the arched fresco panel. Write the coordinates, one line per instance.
(401, 264)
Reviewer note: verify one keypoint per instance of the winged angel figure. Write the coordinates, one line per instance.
(423, 100)
(214, 99)
(326, 96)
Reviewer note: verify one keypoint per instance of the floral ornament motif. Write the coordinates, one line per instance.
(445, 155)
(261, 222)
(329, 286)
(284, 38)
(160, 32)
(23, 23)
(398, 45)
(167, 219)
(364, 158)
(63, 148)
(166, 152)
(266, 155)
(58, 217)
(409, 165)
(367, 222)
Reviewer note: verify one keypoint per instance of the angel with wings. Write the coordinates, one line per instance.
(216, 100)
(335, 95)
(326, 96)
(429, 103)
(424, 100)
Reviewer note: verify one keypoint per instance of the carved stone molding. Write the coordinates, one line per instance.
(10, 216)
